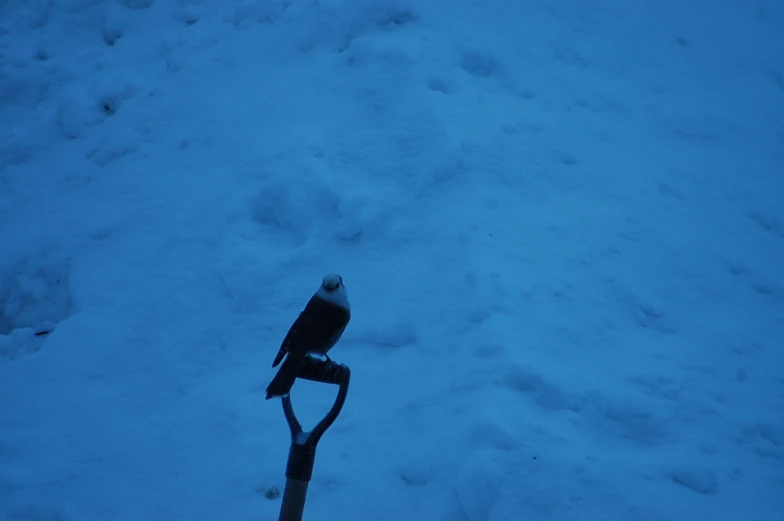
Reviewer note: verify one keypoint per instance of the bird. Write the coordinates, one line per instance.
(315, 331)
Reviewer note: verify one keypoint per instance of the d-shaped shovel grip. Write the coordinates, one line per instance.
(303, 444)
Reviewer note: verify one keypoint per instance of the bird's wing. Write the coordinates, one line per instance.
(287, 341)
(314, 329)
(296, 335)
(280, 355)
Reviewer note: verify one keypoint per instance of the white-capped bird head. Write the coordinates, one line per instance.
(333, 290)
(331, 281)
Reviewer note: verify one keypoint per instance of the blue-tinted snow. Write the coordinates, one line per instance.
(560, 225)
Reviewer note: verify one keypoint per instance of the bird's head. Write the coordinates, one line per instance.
(332, 282)
(333, 290)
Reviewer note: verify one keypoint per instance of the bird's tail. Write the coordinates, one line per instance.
(283, 381)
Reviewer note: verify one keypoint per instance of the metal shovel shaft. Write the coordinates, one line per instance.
(293, 500)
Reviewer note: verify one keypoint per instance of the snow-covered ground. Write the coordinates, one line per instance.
(561, 226)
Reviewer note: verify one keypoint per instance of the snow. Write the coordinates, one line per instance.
(560, 224)
(300, 438)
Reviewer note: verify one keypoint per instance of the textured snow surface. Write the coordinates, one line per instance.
(561, 227)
